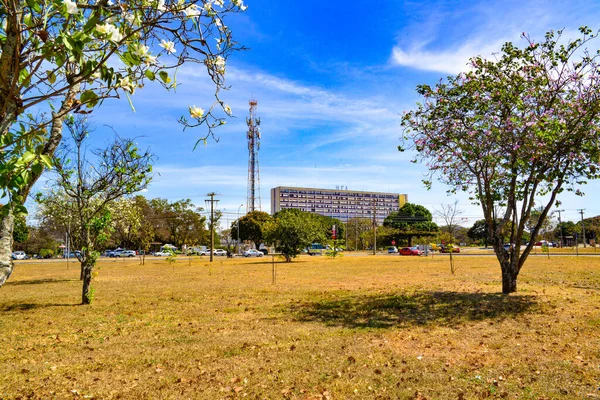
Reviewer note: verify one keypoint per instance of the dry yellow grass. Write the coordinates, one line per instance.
(384, 327)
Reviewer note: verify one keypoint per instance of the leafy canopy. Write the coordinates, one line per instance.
(62, 56)
(511, 130)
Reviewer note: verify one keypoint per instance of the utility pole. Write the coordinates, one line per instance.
(212, 202)
(374, 226)
(562, 243)
(581, 210)
(238, 229)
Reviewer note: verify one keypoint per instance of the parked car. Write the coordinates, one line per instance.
(424, 247)
(450, 248)
(435, 246)
(163, 254)
(72, 254)
(114, 253)
(220, 252)
(127, 253)
(392, 249)
(253, 253)
(410, 251)
(205, 252)
(19, 255)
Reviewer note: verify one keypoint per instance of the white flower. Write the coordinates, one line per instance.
(150, 60)
(141, 51)
(220, 64)
(111, 31)
(196, 112)
(71, 7)
(208, 7)
(168, 46)
(240, 4)
(192, 11)
(220, 3)
(160, 6)
(227, 109)
(126, 85)
(129, 17)
(101, 29)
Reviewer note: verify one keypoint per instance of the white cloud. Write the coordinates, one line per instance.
(452, 61)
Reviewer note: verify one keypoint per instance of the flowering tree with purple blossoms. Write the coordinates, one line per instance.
(68, 56)
(513, 132)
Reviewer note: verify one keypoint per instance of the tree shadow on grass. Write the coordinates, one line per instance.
(39, 281)
(30, 306)
(419, 308)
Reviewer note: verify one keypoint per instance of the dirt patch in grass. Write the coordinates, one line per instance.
(381, 327)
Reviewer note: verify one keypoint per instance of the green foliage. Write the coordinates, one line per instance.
(252, 227)
(178, 222)
(171, 260)
(359, 233)
(479, 232)
(327, 224)
(568, 228)
(46, 253)
(80, 200)
(292, 230)
(409, 221)
(90, 295)
(20, 230)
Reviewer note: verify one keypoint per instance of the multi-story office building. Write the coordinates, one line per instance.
(341, 204)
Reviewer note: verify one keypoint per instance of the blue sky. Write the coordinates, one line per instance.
(331, 79)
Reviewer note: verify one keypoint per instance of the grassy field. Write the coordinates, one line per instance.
(368, 327)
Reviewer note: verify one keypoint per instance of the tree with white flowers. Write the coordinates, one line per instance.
(62, 56)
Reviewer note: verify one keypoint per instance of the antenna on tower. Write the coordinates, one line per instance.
(253, 135)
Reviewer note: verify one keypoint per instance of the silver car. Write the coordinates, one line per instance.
(253, 253)
(127, 253)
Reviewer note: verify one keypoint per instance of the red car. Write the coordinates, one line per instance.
(410, 251)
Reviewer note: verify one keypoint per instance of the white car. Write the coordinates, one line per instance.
(19, 255)
(127, 253)
(253, 253)
(162, 254)
(220, 252)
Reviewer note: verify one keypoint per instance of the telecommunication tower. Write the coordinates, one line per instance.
(253, 199)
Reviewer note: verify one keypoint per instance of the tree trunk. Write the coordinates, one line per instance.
(86, 294)
(7, 222)
(6, 243)
(509, 278)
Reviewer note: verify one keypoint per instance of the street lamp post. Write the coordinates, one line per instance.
(238, 229)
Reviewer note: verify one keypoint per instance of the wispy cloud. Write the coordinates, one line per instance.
(452, 61)
(443, 41)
